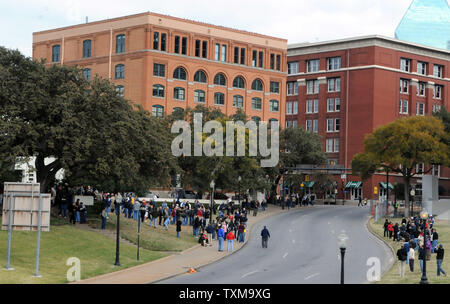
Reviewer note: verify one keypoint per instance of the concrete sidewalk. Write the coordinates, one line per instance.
(180, 263)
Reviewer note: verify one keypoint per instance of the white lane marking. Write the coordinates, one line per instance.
(285, 255)
(312, 276)
(290, 230)
(293, 241)
(250, 273)
(329, 223)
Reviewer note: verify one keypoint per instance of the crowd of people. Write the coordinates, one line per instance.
(228, 221)
(418, 240)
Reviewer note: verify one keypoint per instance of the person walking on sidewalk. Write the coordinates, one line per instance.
(386, 231)
(241, 233)
(230, 238)
(401, 255)
(104, 215)
(439, 260)
(220, 237)
(265, 236)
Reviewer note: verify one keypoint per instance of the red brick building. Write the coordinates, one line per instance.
(166, 63)
(344, 89)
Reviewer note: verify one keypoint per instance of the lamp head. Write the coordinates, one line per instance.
(424, 214)
(212, 184)
(342, 240)
(239, 178)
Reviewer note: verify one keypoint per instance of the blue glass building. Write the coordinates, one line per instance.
(426, 22)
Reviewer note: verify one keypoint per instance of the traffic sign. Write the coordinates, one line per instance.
(302, 185)
(306, 178)
(375, 190)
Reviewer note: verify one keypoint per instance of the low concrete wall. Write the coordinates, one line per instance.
(442, 209)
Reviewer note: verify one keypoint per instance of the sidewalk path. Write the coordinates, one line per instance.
(179, 263)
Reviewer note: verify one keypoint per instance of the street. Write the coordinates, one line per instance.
(302, 249)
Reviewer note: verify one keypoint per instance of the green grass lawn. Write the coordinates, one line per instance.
(393, 277)
(155, 239)
(95, 251)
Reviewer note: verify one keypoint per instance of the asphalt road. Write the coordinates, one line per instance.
(302, 250)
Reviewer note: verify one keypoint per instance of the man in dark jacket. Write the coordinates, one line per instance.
(439, 260)
(196, 225)
(265, 237)
(402, 255)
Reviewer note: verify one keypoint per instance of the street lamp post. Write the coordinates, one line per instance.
(342, 242)
(424, 216)
(118, 212)
(212, 184)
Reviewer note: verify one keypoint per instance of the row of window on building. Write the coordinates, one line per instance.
(312, 106)
(312, 86)
(420, 107)
(313, 65)
(181, 47)
(421, 88)
(219, 98)
(333, 125)
(158, 111)
(422, 68)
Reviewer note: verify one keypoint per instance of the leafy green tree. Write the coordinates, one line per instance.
(401, 145)
(95, 135)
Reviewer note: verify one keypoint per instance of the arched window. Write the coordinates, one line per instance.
(257, 85)
(239, 82)
(120, 71)
(178, 93)
(120, 90)
(200, 76)
(238, 101)
(273, 106)
(220, 79)
(87, 48)
(56, 53)
(199, 96)
(120, 44)
(178, 109)
(87, 74)
(157, 111)
(256, 103)
(256, 119)
(219, 98)
(179, 73)
(158, 90)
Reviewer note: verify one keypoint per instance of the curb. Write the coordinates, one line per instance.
(382, 240)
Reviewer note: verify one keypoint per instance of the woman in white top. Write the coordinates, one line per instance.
(411, 259)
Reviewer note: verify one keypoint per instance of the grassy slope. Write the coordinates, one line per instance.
(392, 276)
(95, 251)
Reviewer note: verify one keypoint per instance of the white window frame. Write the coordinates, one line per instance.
(288, 108)
(405, 64)
(403, 107)
(329, 145)
(292, 67)
(421, 89)
(309, 106)
(421, 68)
(336, 124)
(334, 84)
(313, 65)
(330, 125)
(330, 105)
(404, 86)
(333, 63)
(437, 70)
(315, 126)
(336, 144)
(337, 105)
(309, 126)
(437, 92)
(316, 106)
(295, 107)
(420, 108)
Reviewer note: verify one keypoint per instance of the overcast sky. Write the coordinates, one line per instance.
(295, 20)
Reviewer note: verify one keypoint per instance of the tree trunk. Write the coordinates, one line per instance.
(406, 185)
(45, 173)
(273, 192)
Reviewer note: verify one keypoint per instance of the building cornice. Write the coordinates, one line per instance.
(367, 41)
